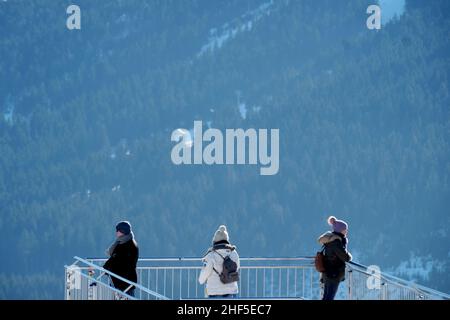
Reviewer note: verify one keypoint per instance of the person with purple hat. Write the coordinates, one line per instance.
(336, 255)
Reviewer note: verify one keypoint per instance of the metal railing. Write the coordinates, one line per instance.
(364, 283)
(88, 281)
(260, 278)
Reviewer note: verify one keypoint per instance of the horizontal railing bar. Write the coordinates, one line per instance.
(252, 298)
(199, 259)
(199, 267)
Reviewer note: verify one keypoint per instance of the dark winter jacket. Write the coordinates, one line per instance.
(123, 263)
(336, 255)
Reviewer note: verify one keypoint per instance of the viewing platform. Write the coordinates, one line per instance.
(260, 278)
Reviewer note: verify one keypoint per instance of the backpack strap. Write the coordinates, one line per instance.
(221, 257)
(214, 250)
(216, 271)
(219, 254)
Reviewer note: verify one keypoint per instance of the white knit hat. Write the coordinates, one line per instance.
(221, 234)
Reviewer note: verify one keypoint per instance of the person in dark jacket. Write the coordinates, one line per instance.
(336, 255)
(124, 255)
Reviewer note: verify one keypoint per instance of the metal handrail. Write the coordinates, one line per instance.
(174, 259)
(267, 277)
(353, 265)
(399, 282)
(392, 286)
(111, 274)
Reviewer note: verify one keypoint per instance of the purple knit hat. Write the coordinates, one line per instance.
(337, 225)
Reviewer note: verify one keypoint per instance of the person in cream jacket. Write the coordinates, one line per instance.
(213, 264)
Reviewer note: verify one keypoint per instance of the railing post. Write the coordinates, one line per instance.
(248, 283)
(148, 283)
(188, 283)
(173, 280)
(256, 283)
(92, 285)
(165, 274)
(287, 283)
(181, 273)
(67, 291)
(384, 291)
(139, 281)
(295, 283)
(350, 284)
(303, 282)
(279, 282)
(157, 280)
(264, 282)
(196, 283)
(271, 283)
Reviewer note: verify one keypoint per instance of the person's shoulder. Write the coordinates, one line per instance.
(232, 250)
(209, 254)
(328, 237)
(336, 243)
(228, 249)
(131, 243)
(222, 252)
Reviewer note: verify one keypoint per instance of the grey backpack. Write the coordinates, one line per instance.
(230, 272)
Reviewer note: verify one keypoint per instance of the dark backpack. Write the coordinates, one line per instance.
(319, 260)
(229, 270)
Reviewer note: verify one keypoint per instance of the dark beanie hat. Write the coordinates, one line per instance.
(124, 227)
